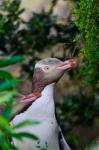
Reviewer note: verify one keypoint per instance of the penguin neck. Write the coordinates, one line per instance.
(48, 91)
(47, 95)
(44, 106)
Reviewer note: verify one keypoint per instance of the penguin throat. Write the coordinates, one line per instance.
(37, 86)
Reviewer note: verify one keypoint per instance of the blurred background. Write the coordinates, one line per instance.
(31, 30)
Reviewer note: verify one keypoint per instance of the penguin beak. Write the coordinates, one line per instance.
(71, 63)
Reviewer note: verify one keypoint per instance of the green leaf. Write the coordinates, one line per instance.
(25, 123)
(7, 110)
(4, 124)
(22, 135)
(5, 146)
(8, 84)
(6, 96)
(5, 75)
(10, 60)
(21, 11)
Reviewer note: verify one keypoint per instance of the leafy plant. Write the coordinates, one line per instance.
(7, 132)
(81, 109)
(87, 23)
(7, 97)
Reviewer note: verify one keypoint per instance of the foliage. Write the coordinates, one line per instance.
(7, 97)
(94, 145)
(81, 109)
(87, 23)
(7, 132)
(35, 37)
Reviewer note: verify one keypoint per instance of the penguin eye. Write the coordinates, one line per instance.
(46, 68)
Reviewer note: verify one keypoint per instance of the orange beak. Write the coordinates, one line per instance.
(67, 64)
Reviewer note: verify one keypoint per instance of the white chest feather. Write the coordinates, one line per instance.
(41, 110)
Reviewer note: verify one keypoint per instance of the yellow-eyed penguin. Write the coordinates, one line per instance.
(39, 105)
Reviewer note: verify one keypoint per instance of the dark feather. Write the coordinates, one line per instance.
(62, 143)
